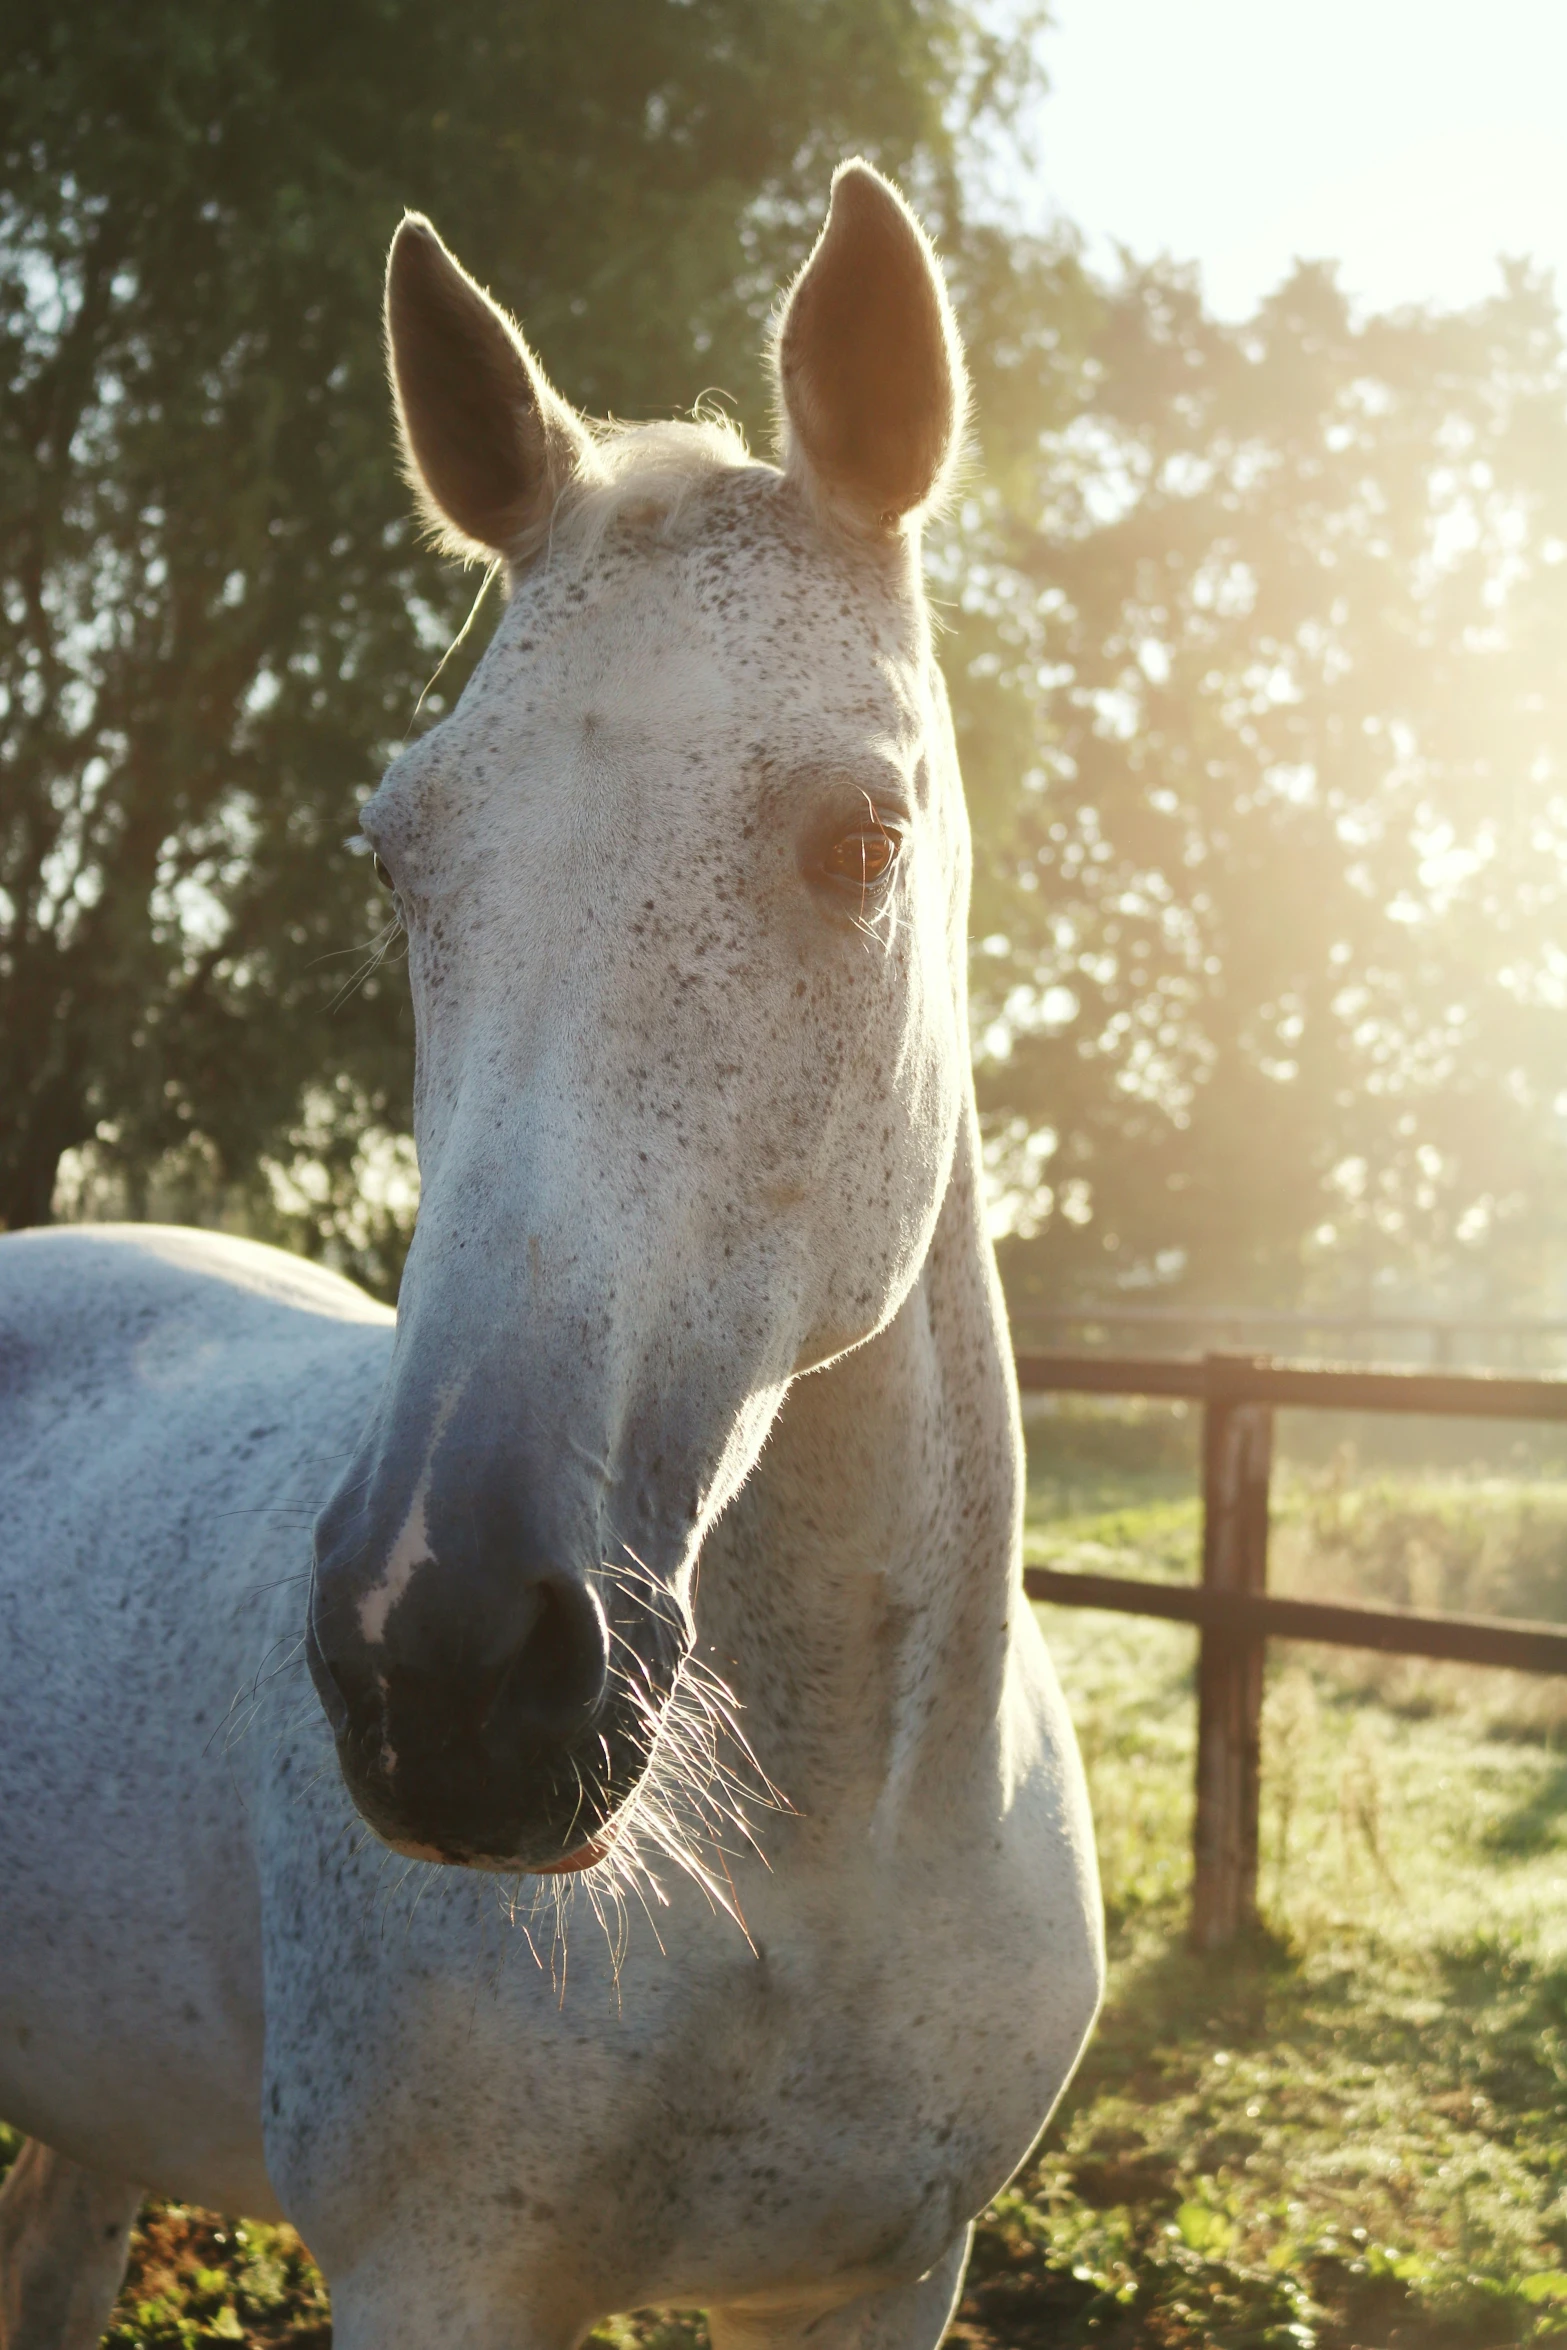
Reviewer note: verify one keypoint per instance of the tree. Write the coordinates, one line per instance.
(1253, 635)
(1268, 622)
(217, 618)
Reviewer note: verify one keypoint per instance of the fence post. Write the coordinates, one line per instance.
(1237, 1456)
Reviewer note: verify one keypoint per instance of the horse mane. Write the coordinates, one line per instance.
(640, 476)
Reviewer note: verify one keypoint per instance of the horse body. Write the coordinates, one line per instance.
(171, 1405)
(699, 1383)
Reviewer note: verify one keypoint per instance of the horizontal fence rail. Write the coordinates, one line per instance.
(1232, 1609)
(1195, 1326)
(1336, 1387)
(1469, 1640)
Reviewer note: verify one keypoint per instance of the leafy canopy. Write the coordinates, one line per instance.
(217, 617)
(1253, 632)
(1266, 720)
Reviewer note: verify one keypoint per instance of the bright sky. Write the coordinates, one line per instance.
(1413, 140)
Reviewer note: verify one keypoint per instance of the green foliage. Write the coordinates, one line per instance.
(216, 618)
(1253, 631)
(1071, 1437)
(1261, 699)
(1348, 2133)
(195, 2279)
(1490, 1546)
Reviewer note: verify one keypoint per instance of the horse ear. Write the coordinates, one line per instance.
(487, 442)
(870, 368)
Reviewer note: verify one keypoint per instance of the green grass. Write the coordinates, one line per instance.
(195, 2278)
(1349, 2133)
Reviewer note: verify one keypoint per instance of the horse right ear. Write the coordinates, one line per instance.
(870, 369)
(488, 444)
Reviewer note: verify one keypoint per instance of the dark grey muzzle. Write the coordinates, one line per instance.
(496, 1701)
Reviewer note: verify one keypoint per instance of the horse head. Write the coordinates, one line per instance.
(684, 882)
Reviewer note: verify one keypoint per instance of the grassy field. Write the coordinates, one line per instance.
(1350, 2133)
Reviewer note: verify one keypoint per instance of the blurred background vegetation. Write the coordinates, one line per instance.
(1253, 632)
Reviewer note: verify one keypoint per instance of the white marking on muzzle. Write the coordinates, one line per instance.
(412, 1547)
(410, 1550)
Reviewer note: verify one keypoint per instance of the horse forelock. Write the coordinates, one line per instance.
(644, 471)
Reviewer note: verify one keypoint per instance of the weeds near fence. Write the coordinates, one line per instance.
(1348, 2133)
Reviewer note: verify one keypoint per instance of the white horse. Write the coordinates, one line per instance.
(700, 1283)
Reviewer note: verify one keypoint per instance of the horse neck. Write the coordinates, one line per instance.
(859, 1594)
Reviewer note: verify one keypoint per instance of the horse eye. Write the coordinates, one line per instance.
(382, 875)
(861, 859)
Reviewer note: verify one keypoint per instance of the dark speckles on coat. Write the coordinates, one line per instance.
(700, 1270)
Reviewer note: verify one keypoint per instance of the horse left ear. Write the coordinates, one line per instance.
(488, 442)
(871, 378)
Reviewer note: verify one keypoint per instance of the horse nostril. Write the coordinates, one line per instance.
(554, 1681)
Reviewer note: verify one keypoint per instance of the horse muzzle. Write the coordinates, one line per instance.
(485, 1727)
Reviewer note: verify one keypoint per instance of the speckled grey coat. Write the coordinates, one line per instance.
(702, 1186)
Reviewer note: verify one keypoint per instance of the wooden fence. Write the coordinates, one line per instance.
(1232, 1607)
(1370, 1337)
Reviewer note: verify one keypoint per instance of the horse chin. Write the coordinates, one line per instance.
(586, 1856)
(578, 1836)
(413, 1851)
(571, 1864)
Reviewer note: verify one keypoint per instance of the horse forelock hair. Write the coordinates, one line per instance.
(639, 475)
